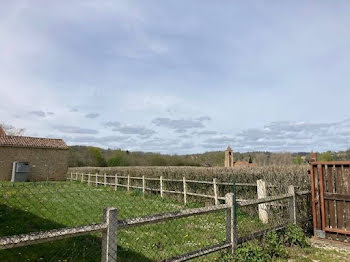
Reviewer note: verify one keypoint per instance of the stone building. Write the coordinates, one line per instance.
(47, 157)
(229, 161)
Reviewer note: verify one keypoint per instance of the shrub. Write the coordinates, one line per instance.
(250, 252)
(295, 236)
(274, 246)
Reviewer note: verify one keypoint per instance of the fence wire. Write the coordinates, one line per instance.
(40, 206)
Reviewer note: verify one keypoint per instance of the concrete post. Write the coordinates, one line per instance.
(96, 180)
(215, 192)
(82, 177)
(115, 182)
(161, 185)
(143, 185)
(231, 227)
(261, 190)
(109, 236)
(89, 179)
(185, 188)
(292, 205)
(105, 179)
(71, 176)
(128, 186)
(76, 176)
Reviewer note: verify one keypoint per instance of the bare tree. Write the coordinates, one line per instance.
(11, 130)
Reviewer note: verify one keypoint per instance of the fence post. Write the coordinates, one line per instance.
(89, 179)
(161, 186)
(82, 177)
(184, 184)
(261, 190)
(105, 179)
(128, 187)
(231, 227)
(292, 205)
(215, 192)
(71, 176)
(143, 185)
(76, 176)
(116, 182)
(96, 180)
(109, 236)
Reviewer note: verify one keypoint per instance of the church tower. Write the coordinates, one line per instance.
(228, 157)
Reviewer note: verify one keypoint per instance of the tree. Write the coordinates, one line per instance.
(11, 130)
(326, 156)
(97, 157)
(298, 160)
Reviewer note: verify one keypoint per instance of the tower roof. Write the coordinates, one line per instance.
(229, 148)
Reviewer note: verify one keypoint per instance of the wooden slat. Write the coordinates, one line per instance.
(337, 197)
(313, 196)
(330, 189)
(347, 179)
(326, 202)
(340, 204)
(322, 204)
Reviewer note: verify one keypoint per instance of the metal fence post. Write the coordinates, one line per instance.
(143, 185)
(105, 179)
(231, 228)
(161, 185)
(115, 182)
(215, 192)
(184, 186)
(128, 186)
(261, 190)
(109, 236)
(292, 205)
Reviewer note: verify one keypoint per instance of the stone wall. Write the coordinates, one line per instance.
(43, 162)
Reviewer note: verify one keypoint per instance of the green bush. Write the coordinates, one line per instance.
(250, 252)
(295, 236)
(274, 246)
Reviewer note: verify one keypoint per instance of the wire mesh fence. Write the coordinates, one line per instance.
(41, 206)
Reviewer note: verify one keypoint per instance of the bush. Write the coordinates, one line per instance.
(250, 252)
(274, 246)
(295, 236)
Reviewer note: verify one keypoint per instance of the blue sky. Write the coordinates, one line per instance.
(178, 76)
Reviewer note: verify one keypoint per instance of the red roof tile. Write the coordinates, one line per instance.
(32, 142)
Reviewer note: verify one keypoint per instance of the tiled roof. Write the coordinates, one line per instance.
(32, 142)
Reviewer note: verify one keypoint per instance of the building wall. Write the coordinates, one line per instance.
(43, 162)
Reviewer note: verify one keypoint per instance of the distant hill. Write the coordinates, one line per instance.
(93, 156)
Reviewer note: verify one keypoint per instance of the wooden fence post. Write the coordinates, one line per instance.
(231, 227)
(115, 182)
(128, 186)
(292, 205)
(71, 176)
(261, 190)
(89, 179)
(109, 236)
(76, 176)
(161, 186)
(215, 192)
(184, 186)
(143, 185)
(105, 179)
(96, 180)
(82, 177)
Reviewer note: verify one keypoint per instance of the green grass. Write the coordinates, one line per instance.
(31, 207)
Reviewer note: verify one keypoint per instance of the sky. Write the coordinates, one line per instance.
(178, 77)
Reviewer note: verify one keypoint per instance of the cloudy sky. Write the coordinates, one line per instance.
(178, 76)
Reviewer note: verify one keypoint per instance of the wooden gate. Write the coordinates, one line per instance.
(330, 192)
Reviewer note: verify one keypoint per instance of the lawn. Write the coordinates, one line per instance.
(31, 207)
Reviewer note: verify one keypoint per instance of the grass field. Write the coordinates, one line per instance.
(31, 207)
